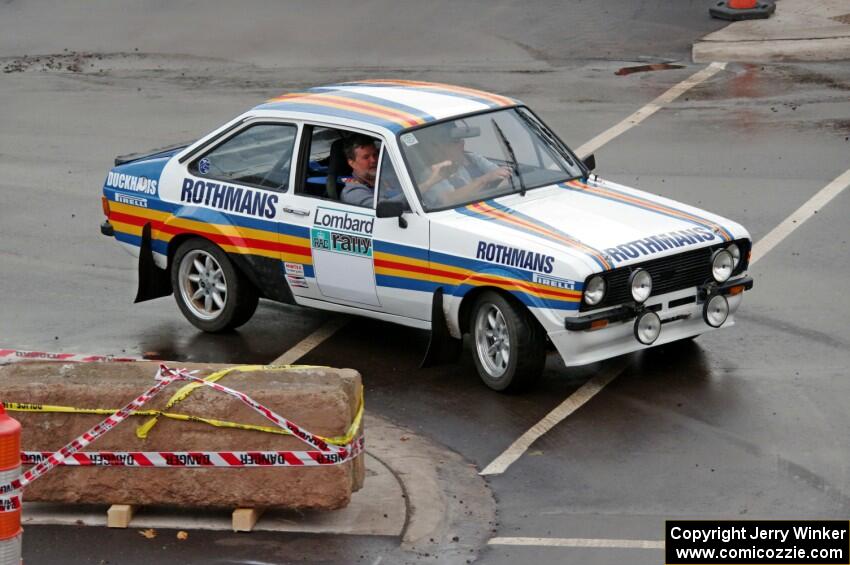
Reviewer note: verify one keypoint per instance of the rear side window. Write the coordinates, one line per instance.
(260, 156)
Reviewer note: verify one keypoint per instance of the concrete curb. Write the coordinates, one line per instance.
(450, 509)
(788, 50)
(801, 30)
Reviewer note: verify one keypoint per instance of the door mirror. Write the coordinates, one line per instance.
(391, 209)
(589, 162)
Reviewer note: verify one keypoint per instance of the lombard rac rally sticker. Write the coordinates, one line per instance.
(204, 165)
(409, 139)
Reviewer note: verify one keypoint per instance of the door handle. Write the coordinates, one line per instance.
(296, 211)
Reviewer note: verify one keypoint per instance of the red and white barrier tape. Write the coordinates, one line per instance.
(199, 458)
(302, 434)
(15, 356)
(164, 376)
(54, 459)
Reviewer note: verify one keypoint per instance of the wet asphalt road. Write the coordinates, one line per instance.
(745, 423)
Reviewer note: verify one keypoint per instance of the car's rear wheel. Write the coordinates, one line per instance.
(508, 344)
(212, 294)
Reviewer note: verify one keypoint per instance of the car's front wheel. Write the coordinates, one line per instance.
(508, 344)
(210, 292)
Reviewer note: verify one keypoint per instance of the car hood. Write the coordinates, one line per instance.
(602, 224)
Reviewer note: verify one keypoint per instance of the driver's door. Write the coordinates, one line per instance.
(327, 243)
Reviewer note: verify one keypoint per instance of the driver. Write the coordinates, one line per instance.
(362, 155)
(458, 174)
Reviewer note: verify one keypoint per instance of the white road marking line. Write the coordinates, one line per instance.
(312, 341)
(572, 403)
(800, 215)
(642, 114)
(580, 542)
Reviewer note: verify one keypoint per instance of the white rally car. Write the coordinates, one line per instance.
(481, 221)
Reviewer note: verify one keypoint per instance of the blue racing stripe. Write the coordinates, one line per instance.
(403, 250)
(408, 284)
(212, 216)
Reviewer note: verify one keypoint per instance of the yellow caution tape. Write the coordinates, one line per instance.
(143, 430)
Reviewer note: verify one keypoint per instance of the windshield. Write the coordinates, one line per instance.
(483, 156)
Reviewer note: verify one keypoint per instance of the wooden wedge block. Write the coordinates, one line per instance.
(119, 515)
(244, 519)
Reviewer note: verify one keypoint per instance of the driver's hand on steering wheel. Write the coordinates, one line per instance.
(498, 174)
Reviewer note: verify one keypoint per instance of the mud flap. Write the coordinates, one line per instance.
(153, 281)
(442, 348)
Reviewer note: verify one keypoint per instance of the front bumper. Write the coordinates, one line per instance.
(681, 315)
(631, 311)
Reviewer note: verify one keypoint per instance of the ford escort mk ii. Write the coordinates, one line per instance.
(433, 206)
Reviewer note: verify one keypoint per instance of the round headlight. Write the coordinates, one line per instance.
(722, 265)
(594, 292)
(716, 311)
(736, 254)
(641, 283)
(647, 327)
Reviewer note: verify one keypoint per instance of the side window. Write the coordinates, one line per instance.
(338, 165)
(260, 155)
(389, 187)
(320, 145)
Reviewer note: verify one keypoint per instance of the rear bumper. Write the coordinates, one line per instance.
(107, 229)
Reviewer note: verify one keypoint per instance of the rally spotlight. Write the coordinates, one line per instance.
(715, 311)
(641, 285)
(647, 327)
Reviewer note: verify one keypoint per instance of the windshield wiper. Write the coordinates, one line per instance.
(554, 142)
(506, 146)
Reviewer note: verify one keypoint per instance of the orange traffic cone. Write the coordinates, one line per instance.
(743, 9)
(10, 469)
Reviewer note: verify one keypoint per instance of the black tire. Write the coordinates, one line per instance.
(227, 298)
(526, 343)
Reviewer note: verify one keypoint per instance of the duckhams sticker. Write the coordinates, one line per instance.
(131, 183)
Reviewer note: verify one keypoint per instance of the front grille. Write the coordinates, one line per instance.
(675, 272)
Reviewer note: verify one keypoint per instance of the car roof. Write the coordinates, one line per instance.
(393, 104)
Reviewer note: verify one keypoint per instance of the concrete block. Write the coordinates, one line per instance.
(322, 400)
